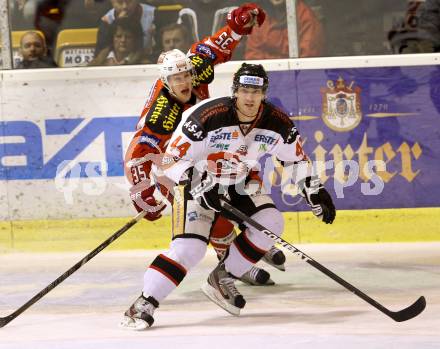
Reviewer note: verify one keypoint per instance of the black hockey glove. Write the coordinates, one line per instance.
(319, 200)
(206, 192)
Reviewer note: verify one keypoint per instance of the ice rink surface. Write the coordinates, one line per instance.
(305, 309)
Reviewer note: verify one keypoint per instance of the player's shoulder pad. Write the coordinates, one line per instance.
(163, 113)
(214, 108)
(280, 122)
(205, 116)
(203, 68)
(193, 129)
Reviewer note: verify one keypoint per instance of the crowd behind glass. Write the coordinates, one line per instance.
(66, 33)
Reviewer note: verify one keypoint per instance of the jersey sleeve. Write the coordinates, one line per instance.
(292, 155)
(218, 47)
(208, 52)
(143, 151)
(187, 146)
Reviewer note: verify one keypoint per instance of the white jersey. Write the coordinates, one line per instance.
(210, 137)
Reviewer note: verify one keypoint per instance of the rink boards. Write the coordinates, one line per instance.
(371, 126)
(351, 226)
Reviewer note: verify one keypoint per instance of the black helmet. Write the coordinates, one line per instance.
(250, 75)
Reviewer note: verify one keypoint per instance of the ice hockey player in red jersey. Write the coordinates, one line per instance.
(212, 154)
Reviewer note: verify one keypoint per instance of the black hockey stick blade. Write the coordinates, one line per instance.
(7, 319)
(410, 312)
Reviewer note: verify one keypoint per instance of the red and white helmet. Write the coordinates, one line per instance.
(173, 62)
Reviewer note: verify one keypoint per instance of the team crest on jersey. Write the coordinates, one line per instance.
(341, 105)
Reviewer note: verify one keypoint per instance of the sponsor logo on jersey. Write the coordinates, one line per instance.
(263, 147)
(149, 139)
(206, 50)
(341, 105)
(170, 120)
(218, 108)
(204, 70)
(220, 146)
(192, 130)
(169, 113)
(160, 104)
(265, 139)
(224, 136)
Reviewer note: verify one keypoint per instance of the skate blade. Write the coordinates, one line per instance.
(249, 282)
(277, 266)
(217, 298)
(129, 323)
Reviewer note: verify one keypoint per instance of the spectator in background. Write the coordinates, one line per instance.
(23, 12)
(126, 47)
(34, 52)
(95, 5)
(72, 13)
(42, 15)
(271, 40)
(135, 12)
(175, 36)
(84, 13)
(430, 22)
(411, 33)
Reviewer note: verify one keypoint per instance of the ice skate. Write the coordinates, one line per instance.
(276, 258)
(220, 289)
(257, 277)
(140, 315)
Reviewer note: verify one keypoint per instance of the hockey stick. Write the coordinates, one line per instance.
(7, 319)
(402, 315)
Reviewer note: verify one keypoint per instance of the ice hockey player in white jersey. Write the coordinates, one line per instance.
(214, 154)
